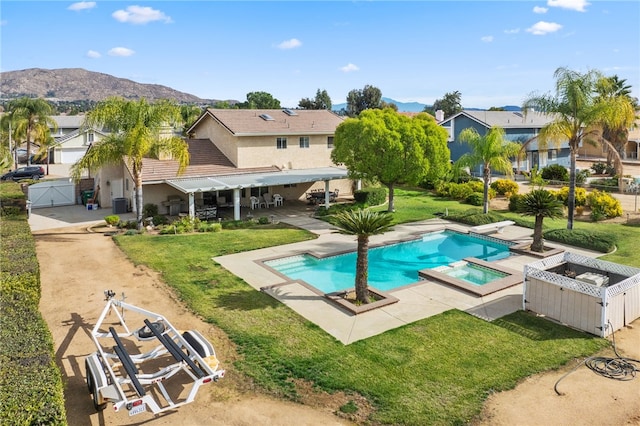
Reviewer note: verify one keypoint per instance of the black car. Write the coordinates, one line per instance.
(28, 172)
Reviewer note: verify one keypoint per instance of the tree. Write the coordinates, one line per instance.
(189, 114)
(136, 131)
(28, 114)
(579, 116)
(492, 151)
(450, 104)
(321, 101)
(614, 90)
(362, 223)
(539, 203)
(260, 100)
(391, 148)
(359, 100)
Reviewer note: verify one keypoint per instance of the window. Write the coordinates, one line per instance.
(304, 141)
(90, 138)
(552, 154)
(267, 117)
(281, 143)
(330, 142)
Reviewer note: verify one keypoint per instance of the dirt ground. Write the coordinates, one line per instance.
(77, 266)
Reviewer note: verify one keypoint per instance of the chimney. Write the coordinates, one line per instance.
(439, 115)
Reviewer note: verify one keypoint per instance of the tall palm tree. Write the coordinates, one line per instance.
(579, 115)
(136, 131)
(539, 203)
(27, 114)
(490, 150)
(614, 90)
(362, 223)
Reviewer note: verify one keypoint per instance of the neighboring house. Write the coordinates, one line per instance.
(518, 127)
(71, 140)
(631, 149)
(236, 154)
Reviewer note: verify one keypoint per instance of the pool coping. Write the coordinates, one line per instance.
(514, 278)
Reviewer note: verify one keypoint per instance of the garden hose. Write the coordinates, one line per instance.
(618, 368)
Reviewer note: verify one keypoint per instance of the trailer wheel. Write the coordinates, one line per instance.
(93, 389)
(89, 376)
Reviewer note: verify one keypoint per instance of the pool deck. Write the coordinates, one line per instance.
(415, 301)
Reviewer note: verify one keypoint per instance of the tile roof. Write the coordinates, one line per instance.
(205, 160)
(247, 122)
(68, 121)
(507, 119)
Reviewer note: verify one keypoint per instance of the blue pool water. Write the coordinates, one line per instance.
(390, 266)
(475, 274)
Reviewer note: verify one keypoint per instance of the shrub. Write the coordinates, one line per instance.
(475, 199)
(150, 210)
(112, 220)
(370, 196)
(555, 172)
(505, 186)
(513, 202)
(598, 241)
(160, 219)
(263, 220)
(582, 175)
(599, 168)
(563, 195)
(475, 217)
(210, 227)
(603, 205)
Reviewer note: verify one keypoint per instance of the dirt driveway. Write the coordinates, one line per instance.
(77, 266)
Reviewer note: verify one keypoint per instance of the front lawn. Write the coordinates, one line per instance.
(435, 371)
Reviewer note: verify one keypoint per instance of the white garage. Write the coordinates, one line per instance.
(52, 193)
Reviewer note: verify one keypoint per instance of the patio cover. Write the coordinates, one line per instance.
(254, 180)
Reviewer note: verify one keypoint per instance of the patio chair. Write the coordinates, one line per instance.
(333, 196)
(255, 203)
(268, 200)
(277, 198)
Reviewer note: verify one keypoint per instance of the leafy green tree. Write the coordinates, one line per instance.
(580, 114)
(492, 151)
(450, 104)
(391, 148)
(27, 115)
(136, 131)
(321, 101)
(189, 114)
(539, 203)
(260, 100)
(369, 97)
(223, 105)
(362, 223)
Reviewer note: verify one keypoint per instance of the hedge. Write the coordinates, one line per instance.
(370, 196)
(31, 389)
(598, 241)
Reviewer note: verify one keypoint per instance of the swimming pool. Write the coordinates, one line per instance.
(393, 265)
(472, 273)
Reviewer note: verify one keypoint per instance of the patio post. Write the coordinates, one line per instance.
(192, 205)
(236, 204)
(327, 194)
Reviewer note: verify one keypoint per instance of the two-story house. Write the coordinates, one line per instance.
(236, 154)
(71, 140)
(518, 126)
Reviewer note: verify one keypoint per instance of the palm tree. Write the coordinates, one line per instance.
(362, 223)
(490, 150)
(579, 115)
(540, 203)
(26, 115)
(136, 131)
(614, 90)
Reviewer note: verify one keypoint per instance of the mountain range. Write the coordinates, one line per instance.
(77, 84)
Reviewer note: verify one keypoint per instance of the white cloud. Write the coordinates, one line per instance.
(82, 5)
(349, 68)
(140, 15)
(290, 44)
(540, 9)
(121, 51)
(543, 28)
(512, 31)
(487, 39)
(93, 54)
(578, 5)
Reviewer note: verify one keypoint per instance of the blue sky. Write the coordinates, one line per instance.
(494, 53)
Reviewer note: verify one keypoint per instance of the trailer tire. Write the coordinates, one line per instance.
(93, 389)
(89, 376)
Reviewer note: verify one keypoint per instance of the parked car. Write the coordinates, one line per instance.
(28, 172)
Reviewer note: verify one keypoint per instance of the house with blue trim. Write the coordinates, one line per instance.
(518, 126)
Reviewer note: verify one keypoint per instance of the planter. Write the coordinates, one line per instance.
(343, 300)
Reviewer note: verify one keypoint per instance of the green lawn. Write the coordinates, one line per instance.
(437, 371)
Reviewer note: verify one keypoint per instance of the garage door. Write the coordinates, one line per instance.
(52, 193)
(71, 155)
